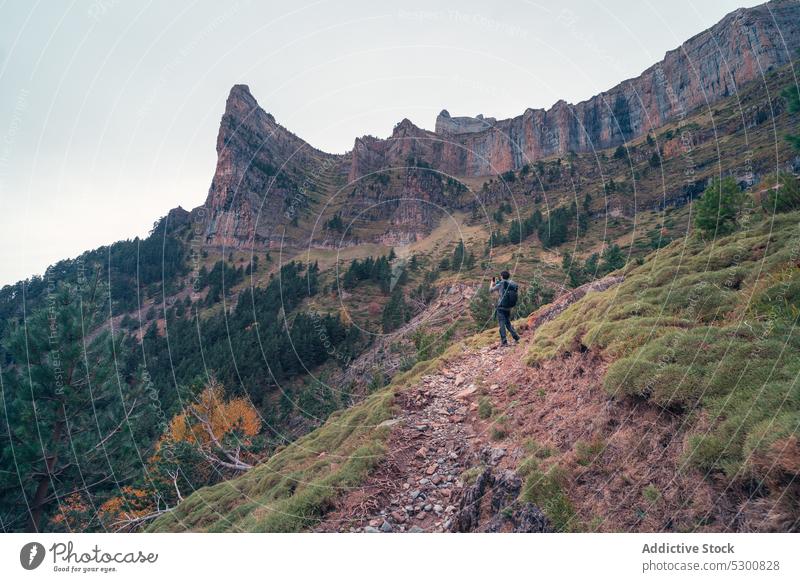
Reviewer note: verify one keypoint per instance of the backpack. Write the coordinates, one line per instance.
(508, 299)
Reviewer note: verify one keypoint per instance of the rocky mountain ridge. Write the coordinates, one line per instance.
(267, 178)
(741, 48)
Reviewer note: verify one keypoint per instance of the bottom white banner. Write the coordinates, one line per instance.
(386, 557)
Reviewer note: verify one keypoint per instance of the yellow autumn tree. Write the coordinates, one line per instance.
(128, 507)
(74, 514)
(344, 315)
(220, 430)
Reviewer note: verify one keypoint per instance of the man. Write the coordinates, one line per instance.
(508, 299)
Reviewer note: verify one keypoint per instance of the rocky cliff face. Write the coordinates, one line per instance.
(712, 65)
(407, 141)
(446, 125)
(265, 176)
(409, 200)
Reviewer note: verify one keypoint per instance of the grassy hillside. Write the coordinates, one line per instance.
(701, 329)
(294, 488)
(707, 330)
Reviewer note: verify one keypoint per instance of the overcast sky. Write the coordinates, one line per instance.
(109, 109)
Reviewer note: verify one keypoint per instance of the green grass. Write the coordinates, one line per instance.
(294, 488)
(537, 449)
(499, 433)
(471, 475)
(587, 452)
(651, 493)
(545, 489)
(484, 407)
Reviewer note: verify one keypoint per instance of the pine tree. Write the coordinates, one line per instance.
(535, 295)
(469, 261)
(785, 196)
(425, 291)
(553, 231)
(383, 274)
(792, 96)
(583, 223)
(496, 239)
(571, 266)
(68, 421)
(515, 232)
(612, 259)
(717, 211)
(458, 256)
(336, 223)
(396, 312)
(481, 306)
(592, 266)
(350, 278)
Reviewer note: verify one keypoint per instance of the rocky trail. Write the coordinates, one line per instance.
(439, 435)
(452, 456)
(462, 434)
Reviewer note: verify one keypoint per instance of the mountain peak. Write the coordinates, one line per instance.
(241, 103)
(241, 88)
(404, 127)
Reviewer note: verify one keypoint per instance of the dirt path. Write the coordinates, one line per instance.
(486, 412)
(438, 435)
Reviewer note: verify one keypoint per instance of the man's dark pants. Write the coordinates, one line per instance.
(504, 319)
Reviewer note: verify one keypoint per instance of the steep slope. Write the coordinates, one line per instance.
(265, 177)
(667, 401)
(188, 305)
(742, 135)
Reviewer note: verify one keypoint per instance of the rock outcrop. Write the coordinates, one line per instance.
(265, 176)
(371, 154)
(446, 125)
(492, 505)
(410, 200)
(552, 310)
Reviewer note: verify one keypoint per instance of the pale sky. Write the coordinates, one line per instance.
(109, 109)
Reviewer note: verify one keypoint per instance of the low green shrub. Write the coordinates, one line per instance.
(545, 490)
(484, 407)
